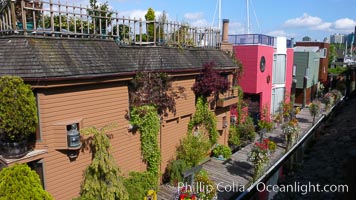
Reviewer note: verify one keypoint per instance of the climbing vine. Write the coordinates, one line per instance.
(240, 104)
(147, 120)
(203, 116)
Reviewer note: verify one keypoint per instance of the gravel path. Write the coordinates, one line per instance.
(331, 160)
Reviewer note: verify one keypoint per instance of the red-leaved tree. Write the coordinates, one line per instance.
(210, 82)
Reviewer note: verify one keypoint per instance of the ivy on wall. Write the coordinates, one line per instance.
(147, 120)
(203, 116)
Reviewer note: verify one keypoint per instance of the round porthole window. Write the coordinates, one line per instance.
(263, 64)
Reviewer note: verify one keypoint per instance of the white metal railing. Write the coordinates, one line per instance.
(55, 19)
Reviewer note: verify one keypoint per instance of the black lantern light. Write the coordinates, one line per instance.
(73, 135)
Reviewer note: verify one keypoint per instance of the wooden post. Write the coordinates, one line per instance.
(81, 20)
(123, 28)
(88, 24)
(23, 13)
(140, 31)
(129, 42)
(75, 21)
(12, 5)
(100, 32)
(154, 32)
(34, 16)
(117, 25)
(67, 16)
(159, 32)
(135, 29)
(178, 33)
(52, 17)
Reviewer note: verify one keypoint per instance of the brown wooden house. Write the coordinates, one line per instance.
(81, 76)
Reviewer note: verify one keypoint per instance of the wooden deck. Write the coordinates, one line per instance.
(237, 171)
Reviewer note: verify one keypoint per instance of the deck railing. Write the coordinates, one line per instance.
(54, 19)
(252, 39)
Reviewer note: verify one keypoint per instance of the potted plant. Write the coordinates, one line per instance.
(314, 109)
(18, 116)
(222, 152)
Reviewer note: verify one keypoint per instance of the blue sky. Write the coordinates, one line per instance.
(291, 18)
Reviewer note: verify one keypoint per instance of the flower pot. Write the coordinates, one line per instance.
(13, 150)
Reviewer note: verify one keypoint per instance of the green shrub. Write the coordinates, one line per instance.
(18, 111)
(234, 136)
(102, 178)
(207, 192)
(193, 149)
(222, 150)
(175, 170)
(263, 124)
(20, 182)
(247, 130)
(272, 146)
(138, 184)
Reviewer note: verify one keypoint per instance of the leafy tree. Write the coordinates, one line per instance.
(124, 32)
(67, 23)
(182, 36)
(101, 14)
(162, 19)
(332, 54)
(155, 89)
(20, 182)
(102, 178)
(210, 82)
(150, 16)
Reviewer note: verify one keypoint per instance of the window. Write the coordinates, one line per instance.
(323, 52)
(38, 129)
(37, 166)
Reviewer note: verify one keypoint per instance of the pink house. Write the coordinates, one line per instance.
(267, 70)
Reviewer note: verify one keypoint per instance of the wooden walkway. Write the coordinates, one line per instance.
(237, 171)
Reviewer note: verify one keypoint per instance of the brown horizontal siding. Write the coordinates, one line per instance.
(95, 105)
(186, 103)
(172, 133)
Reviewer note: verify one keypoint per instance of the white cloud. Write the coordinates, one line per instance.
(281, 33)
(200, 23)
(194, 16)
(303, 21)
(277, 33)
(325, 26)
(344, 24)
(317, 24)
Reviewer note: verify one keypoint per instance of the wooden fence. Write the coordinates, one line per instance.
(54, 19)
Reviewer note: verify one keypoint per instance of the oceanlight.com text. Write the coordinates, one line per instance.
(302, 188)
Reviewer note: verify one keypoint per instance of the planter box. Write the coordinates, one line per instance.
(226, 102)
(13, 150)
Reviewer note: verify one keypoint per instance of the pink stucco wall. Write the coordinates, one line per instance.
(248, 57)
(253, 80)
(289, 71)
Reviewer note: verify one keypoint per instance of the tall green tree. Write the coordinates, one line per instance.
(332, 54)
(162, 19)
(101, 14)
(102, 178)
(150, 16)
(20, 182)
